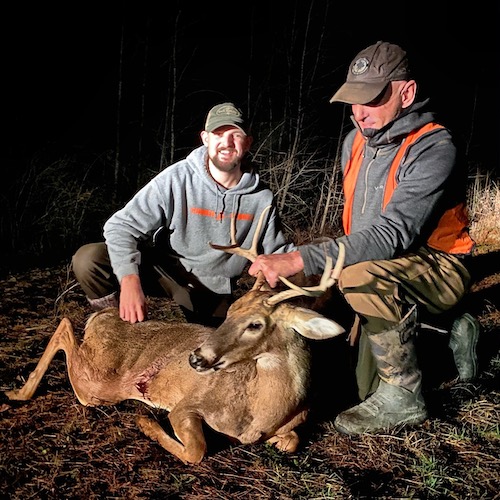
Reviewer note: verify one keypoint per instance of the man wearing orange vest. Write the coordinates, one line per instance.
(406, 239)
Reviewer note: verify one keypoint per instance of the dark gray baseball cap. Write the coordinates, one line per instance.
(225, 114)
(371, 71)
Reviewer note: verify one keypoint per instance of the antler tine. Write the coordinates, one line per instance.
(339, 265)
(248, 253)
(328, 279)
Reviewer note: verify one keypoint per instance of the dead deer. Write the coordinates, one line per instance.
(247, 379)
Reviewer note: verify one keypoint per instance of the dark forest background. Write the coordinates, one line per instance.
(98, 98)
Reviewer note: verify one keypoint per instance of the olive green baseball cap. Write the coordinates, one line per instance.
(371, 71)
(225, 114)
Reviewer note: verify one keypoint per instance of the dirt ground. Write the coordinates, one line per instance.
(53, 447)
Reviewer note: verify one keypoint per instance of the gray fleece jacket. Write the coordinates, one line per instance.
(195, 211)
(430, 180)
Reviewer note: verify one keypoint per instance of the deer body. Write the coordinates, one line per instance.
(248, 379)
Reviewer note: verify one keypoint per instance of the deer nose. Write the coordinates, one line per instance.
(199, 363)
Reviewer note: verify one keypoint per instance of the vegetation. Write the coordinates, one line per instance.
(58, 198)
(157, 90)
(53, 447)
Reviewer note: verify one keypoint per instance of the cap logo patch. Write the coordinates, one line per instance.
(227, 111)
(360, 66)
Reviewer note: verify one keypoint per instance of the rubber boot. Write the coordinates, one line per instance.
(110, 300)
(398, 399)
(463, 341)
(367, 377)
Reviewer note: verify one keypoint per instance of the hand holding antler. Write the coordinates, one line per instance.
(274, 267)
(270, 267)
(328, 279)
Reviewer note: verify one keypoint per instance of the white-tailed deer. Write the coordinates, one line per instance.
(247, 379)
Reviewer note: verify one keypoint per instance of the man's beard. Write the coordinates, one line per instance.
(224, 166)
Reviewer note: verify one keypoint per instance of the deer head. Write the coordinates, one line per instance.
(260, 322)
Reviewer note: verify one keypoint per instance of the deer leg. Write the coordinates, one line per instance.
(190, 448)
(287, 442)
(285, 438)
(63, 338)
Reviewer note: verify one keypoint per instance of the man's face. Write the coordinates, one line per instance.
(227, 146)
(386, 107)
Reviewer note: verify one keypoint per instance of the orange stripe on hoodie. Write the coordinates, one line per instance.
(205, 212)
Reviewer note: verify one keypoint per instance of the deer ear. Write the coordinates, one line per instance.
(308, 323)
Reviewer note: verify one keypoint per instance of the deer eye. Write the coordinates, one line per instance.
(255, 326)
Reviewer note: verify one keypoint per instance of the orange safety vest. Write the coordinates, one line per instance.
(451, 234)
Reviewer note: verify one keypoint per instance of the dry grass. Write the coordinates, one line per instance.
(52, 447)
(484, 204)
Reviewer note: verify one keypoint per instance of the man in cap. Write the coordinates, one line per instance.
(162, 235)
(406, 239)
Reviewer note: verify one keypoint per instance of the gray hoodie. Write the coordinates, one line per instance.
(430, 180)
(195, 211)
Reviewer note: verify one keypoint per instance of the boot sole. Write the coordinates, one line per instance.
(409, 421)
(471, 348)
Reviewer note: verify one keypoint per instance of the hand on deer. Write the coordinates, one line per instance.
(275, 265)
(133, 306)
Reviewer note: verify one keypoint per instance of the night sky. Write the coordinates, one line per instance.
(61, 64)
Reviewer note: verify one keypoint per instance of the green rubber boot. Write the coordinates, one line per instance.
(398, 399)
(463, 341)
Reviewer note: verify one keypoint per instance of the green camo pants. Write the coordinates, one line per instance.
(382, 291)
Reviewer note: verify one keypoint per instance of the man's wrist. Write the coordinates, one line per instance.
(130, 278)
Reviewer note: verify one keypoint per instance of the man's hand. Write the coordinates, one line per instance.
(277, 264)
(133, 305)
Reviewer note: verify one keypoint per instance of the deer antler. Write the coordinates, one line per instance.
(328, 279)
(248, 253)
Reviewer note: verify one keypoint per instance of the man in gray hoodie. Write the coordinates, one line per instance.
(163, 234)
(406, 239)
